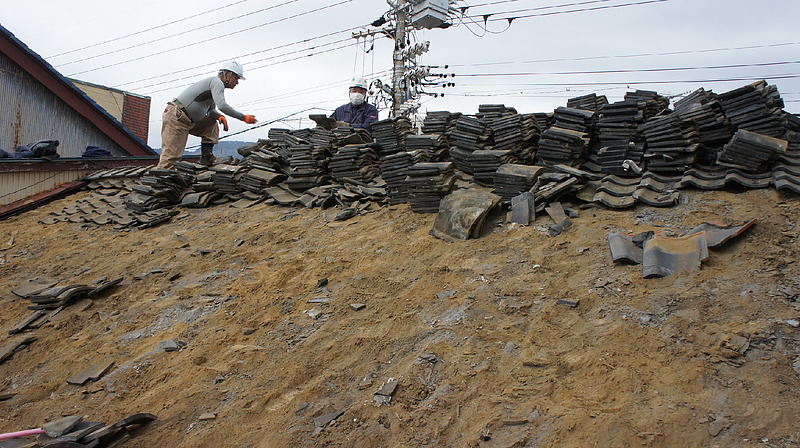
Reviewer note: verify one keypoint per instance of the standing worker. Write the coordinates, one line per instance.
(358, 113)
(196, 111)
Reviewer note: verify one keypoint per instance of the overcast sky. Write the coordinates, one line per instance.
(299, 55)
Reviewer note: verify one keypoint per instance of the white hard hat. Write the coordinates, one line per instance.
(235, 67)
(359, 82)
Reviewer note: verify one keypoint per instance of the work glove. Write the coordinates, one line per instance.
(223, 121)
(250, 119)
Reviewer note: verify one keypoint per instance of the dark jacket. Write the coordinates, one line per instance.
(358, 116)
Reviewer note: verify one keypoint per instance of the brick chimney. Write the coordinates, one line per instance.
(136, 115)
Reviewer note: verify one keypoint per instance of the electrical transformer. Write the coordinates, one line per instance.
(429, 13)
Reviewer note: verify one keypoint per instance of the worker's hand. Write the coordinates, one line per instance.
(250, 119)
(223, 121)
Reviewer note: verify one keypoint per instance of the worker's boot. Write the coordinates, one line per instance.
(207, 154)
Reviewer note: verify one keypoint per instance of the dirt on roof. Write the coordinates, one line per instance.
(482, 352)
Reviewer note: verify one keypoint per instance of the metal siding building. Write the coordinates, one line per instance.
(38, 103)
(32, 112)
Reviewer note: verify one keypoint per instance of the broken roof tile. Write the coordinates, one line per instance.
(664, 256)
(718, 235)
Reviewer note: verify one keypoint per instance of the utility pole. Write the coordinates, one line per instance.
(398, 68)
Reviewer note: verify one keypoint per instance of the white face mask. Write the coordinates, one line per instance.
(356, 98)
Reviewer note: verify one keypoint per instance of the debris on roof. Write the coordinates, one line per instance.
(662, 256)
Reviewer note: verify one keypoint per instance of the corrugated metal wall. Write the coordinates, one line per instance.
(29, 112)
(20, 185)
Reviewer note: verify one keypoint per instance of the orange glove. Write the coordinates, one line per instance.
(223, 121)
(250, 119)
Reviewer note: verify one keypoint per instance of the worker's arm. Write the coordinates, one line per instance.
(218, 94)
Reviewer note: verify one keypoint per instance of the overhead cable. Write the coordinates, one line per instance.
(647, 70)
(615, 83)
(636, 55)
(241, 56)
(146, 30)
(212, 38)
(539, 8)
(250, 67)
(274, 63)
(489, 18)
(200, 28)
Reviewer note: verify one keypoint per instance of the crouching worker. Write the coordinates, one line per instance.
(198, 111)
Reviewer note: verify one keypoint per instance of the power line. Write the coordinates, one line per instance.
(539, 8)
(668, 53)
(492, 3)
(622, 83)
(258, 126)
(237, 57)
(276, 63)
(648, 70)
(146, 30)
(487, 17)
(204, 27)
(249, 68)
(314, 89)
(213, 38)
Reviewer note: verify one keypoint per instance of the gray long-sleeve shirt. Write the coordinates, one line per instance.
(207, 97)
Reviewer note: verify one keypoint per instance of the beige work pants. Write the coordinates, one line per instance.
(175, 129)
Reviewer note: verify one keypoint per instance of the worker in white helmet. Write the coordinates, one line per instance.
(197, 111)
(357, 113)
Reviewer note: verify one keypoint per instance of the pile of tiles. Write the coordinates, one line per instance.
(619, 132)
(511, 180)
(434, 144)
(308, 166)
(226, 178)
(258, 180)
(582, 120)
(621, 158)
(355, 162)
(74, 432)
(488, 111)
(427, 183)
(112, 182)
(786, 172)
(390, 133)
(393, 171)
(756, 107)
(591, 101)
(714, 128)
(265, 156)
(559, 145)
(671, 144)
(484, 163)
(282, 137)
(654, 103)
(106, 204)
(439, 122)
(158, 189)
(516, 132)
(751, 152)
(720, 177)
(703, 108)
(792, 135)
(651, 189)
(692, 146)
(619, 122)
(543, 120)
(469, 134)
(347, 135)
